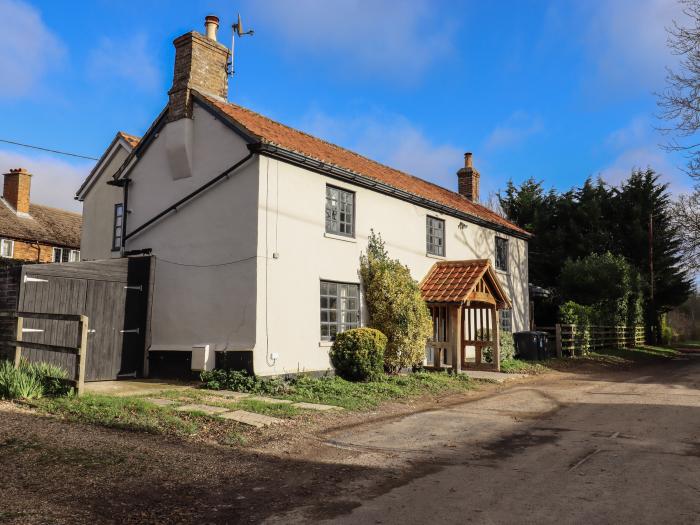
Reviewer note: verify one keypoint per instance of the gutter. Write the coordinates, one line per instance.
(297, 159)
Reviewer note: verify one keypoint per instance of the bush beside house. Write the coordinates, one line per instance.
(395, 306)
(358, 354)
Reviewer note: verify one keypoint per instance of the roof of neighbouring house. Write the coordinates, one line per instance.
(43, 224)
(455, 281)
(269, 131)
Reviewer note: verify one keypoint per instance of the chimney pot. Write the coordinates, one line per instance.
(468, 159)
(211, 25)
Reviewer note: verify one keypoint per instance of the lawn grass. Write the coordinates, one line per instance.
(520, 366)
(119, 412)
(361, 395)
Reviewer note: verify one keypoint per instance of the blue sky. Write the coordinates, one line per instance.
(557, 90)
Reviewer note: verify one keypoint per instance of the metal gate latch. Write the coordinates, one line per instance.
(130, 331)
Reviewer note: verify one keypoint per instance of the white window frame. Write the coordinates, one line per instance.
(339, 309)
(74, 256)
(506, 320)
(118, 224)
(6, 242)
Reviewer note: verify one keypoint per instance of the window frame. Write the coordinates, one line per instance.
(350, 235)
(504, 242)
(339, 324)
(74, 255)
(117, 239)
(11, 243)
(63, 258)
(509, 318)
(429, 237)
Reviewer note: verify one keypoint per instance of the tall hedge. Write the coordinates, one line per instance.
(395, 306)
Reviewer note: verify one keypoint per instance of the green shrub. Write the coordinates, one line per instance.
(17, 383)
(394, 306)
(506, 350)
(579, 316)
(241, 381)
(358, 354)
(52, 377)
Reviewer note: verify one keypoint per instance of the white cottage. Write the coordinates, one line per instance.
(257, 230)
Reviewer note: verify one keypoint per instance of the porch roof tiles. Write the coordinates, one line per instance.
(454, 281)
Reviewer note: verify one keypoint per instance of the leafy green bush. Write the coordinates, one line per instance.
(579, 316)
(240, 381)
(395, 306)
(506, 350)
(51, 377)
(358, 354)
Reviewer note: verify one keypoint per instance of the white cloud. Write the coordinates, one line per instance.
(627, 40)
(379, 37)
(29, 49)
(54, 182)
(392, 140)
(517, 128)
(129, 59)
(635, 146)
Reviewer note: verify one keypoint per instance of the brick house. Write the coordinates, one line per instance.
(34, 232)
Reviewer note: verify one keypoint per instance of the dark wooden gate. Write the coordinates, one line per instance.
(113, 294)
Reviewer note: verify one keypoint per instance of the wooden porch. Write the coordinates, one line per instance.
(464, 298)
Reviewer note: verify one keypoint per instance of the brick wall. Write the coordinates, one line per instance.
(9, 299)
(31, 252)
(200, 64)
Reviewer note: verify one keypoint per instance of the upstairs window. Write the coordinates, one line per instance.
(7, 248)
(502, 254)
(118, 229)
(74, 256)
(340, 308)
(340, 212)
(435, 236)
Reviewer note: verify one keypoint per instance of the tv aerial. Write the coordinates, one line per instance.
(237, 28)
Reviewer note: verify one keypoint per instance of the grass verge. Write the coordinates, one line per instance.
(357, 395)
(120, 412)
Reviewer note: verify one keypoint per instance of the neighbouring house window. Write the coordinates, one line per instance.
(61, 255)
(117, 232)
(501, 254)
(435, 236)
(340, 308)
(74, 256)
(506, 318)
(340, 211)
(7, 248)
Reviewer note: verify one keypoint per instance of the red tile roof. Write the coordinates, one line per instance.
(45, 224)
(132, 140)
(453, 281)
(269, 131)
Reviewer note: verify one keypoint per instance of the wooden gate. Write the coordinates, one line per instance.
(113, 294)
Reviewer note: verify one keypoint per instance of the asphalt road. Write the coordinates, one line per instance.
(604, 448)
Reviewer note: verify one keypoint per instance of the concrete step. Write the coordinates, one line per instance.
(250, 418)
(315, 406)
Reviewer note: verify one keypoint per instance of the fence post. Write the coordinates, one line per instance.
(80, 357)
(18, 337)
(557, 337)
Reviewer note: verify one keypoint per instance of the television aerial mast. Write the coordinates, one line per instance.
(237, 28)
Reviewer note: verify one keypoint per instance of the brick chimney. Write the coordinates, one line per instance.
(201, 63)
(16, 188)
(468, 179)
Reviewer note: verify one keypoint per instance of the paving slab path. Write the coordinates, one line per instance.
(206, 409)
(250, 418)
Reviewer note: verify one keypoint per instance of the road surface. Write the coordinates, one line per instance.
(603, 448)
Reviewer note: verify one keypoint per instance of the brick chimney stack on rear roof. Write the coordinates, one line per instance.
(201, 63)
(16, 189)
(468, 180)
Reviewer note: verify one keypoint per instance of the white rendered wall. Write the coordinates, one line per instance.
(205, 276)
(98, 211)
(292, 225)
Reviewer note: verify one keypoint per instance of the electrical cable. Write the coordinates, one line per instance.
(227, 263)
(58, 152)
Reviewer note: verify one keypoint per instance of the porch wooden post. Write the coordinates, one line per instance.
(456, 337)
(496, 339)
